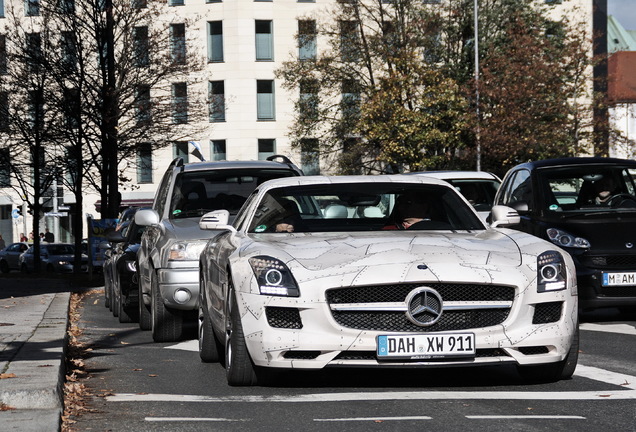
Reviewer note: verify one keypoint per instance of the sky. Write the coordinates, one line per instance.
(624, 11)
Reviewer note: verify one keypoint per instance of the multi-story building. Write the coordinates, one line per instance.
(243, 43)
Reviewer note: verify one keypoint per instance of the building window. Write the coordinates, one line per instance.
(139, 4)
(218, 150)
(215, 41)
(5, 167)
(214, 1)
(4, 111)
(216, 91)
(177, 43)
(349, 41)
(67, 6)
(71, 170)
(72, 108)
(35, 109)
(33, 50)
(143, 113)
(180, 149)
(144, 163)
(264, 40)
(176, 2)
(1, 8)
(310, 156)
(69, 50)
(179, 103)
(350, 100)
(265, 100)
(31, 7)
(141, 47)
(3, 53)
(308, 104)
(266, 148)
(307, 39)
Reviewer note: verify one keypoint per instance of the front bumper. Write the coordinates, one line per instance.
(179, 287)
(593, 295)
(318, 341)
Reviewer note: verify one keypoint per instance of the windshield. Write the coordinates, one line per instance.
(363, 207)
(60, 249)
(589, 188)
(196, 193)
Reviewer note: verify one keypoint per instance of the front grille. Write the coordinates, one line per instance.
(396, 321)
(610, 262)
(397, 293)
(534, 350)
(618, 291)
(371, 355)
(547, 312)
(301, 355)
(281, 317)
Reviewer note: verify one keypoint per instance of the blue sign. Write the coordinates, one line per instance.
(15, 213)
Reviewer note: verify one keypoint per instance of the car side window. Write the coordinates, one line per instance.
(162, 193)
(519, 193)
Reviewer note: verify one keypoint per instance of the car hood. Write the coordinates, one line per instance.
(187, 229)
(441, 253)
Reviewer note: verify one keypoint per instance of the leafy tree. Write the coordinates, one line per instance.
(376, 105)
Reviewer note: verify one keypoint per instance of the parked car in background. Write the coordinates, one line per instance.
(121, 266)
(169, 252)
(586, 206)
(360, 290)
(478, 187)
(54, 257)
(10, 256)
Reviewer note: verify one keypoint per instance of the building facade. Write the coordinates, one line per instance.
(242, 43)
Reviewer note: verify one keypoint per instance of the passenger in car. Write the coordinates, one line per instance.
(290, 217)
(411, 211)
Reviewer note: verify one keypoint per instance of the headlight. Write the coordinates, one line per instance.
(551, 272)
(131, 266)
(564, 239)
(186, 251)
(273, 277)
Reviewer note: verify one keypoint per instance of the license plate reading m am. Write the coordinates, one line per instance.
(612, 279)
(423, 347)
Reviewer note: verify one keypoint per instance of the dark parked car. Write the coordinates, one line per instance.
(121, 285)
(9, 256)
(54, 257)
(587, 206)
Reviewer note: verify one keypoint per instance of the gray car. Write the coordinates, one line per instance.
(10, 257)
(54, 257)
(169, 253)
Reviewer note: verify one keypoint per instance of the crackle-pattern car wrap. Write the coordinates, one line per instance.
(347, 291)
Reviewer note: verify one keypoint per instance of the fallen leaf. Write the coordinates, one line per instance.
(46, 365)
(7, 375)
(96, 301)
(137, 370)
(152, 375)
(124, 343)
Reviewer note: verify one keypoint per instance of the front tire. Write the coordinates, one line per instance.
(4, 267)
(208, 345)
(239, 369)
(167, 323)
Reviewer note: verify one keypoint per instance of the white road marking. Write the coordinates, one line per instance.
(615, 378)
(523, 417)
(189, 345)
(374, 419)
(201, 419)
(610, 328)
(366, 396)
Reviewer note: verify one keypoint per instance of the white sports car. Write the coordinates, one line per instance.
(381, 271)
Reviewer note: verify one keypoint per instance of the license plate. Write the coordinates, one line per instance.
(627, 278)
(422, 347)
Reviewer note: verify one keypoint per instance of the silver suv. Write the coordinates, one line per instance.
(169, 253)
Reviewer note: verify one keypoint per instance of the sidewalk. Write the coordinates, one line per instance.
(33, 323)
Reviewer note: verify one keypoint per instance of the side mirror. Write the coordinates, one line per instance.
(115, 237)
(504, 216)
(147, 217)
(216, 220)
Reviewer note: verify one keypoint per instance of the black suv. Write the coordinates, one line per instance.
(587, 206)
(168, 258)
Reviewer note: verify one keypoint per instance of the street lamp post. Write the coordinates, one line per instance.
(478, 132)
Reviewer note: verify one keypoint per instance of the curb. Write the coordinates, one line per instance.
(39, 365)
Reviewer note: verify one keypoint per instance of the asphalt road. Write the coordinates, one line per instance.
(139, 385)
